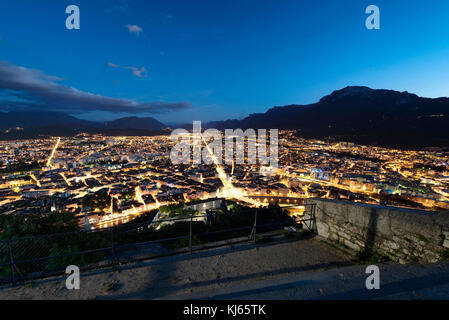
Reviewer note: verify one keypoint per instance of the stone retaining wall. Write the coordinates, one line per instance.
(404, 235)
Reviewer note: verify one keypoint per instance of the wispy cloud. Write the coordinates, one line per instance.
(134, 29)
(203, 93)
(118, 6)
(29, 89)
(167, 17)
(141, 73)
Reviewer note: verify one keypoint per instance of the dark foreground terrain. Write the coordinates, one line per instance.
(298, 269)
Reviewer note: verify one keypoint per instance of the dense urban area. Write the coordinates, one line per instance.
(107, 181)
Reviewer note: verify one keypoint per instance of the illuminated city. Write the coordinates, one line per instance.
(233, 150)
(135, 175)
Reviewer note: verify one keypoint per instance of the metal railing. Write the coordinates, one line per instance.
(35, 257)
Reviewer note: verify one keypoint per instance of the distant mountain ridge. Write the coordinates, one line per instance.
(147, 123)
(356, 113)
(35, 119)
(16, 125)
(360, 114)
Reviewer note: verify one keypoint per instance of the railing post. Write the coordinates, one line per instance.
(11, 263)
(190, 233)
(111, 235)
(255, 227)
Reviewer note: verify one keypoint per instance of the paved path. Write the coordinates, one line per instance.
(300, 269)
(184, 274)
(348, 283)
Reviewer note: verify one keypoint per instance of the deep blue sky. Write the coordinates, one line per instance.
(213, 60)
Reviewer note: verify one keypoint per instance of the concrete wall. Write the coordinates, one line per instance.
(402, 234)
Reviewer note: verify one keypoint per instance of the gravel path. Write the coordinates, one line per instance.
(397, 282)
(188, 275)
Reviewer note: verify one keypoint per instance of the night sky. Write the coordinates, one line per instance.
(187, 60)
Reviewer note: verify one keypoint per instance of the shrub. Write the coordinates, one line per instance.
(371, 256)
